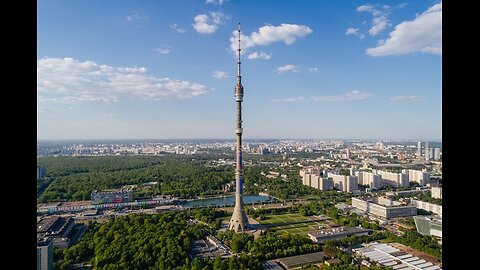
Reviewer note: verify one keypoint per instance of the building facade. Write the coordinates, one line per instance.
(112, 196)
(383, 207)
(45, 254)
(430, 207)
(437, 192)
(41, 172)
(428, 225)
(368, 178)
(336, 233)
(394, 179)
(421, 177)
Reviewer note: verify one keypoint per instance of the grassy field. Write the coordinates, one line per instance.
(291, 223)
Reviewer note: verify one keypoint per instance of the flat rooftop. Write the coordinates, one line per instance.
(299, 260)
(338, 231)
(388, 255)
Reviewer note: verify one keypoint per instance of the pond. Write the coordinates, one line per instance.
(228, 201)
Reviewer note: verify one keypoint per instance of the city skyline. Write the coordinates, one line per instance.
(138, 70)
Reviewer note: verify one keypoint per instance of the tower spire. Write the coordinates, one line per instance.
(239, 76)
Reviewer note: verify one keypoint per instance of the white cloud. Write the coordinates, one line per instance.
(259, 55)
(66, 80)
(109, 115)
(406, 98)
(379, 24)
(266, 35)
(354, 95)
(351, 31)
(218, 74)
(288, 68)
(205, 24)
(163, 50)
(401, 5)
(379, 21)
(288, 100)
(354, 32)
(174, 26)
(369, 8)
(215, 2)
(136, 17)
(313, 69)
(423, 34)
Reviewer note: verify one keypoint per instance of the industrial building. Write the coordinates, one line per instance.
(387, 255)
(337, 233)
(112, 196)
(384, 207)
(45, 253)
(429, 225)
(57, 228)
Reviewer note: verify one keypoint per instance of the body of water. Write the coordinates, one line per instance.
(227, 201)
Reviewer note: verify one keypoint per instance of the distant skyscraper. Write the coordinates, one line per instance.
(348, 153)
(437, 154)
(427, 151)
(239, 220)
(419, 150)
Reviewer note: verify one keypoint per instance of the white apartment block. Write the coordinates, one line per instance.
(368, 178)
(346, 183)
(434, 208)
(394, 179)
(420, 177)
(437, 192)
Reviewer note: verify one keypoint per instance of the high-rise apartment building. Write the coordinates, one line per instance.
(45, 254)
(394, 179)
(368, 178)
(420, 177)
(419, 150)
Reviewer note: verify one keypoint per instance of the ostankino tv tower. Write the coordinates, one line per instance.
(239, 220)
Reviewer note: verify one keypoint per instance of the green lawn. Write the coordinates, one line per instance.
(290, 223)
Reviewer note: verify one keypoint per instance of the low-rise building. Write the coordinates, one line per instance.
(430, 207)
(56, 227)
(112, 196)
(323, 235)
(384, 207)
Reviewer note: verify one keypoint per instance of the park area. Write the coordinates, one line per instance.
(292, 223)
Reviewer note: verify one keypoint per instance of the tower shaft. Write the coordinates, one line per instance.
(239, 220)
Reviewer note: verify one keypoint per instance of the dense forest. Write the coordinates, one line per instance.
(74, 178)
(145, 242)
(77, 177)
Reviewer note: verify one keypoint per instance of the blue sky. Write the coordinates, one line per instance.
(310, 69)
